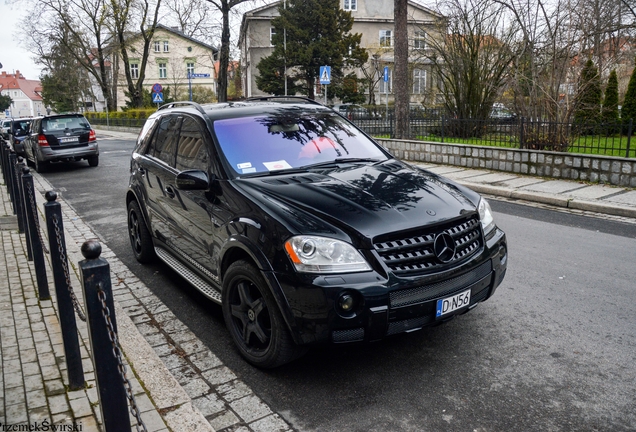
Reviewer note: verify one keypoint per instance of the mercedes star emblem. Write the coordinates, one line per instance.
(444, 247)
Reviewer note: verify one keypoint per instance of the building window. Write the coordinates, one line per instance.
(419, 41)
(190, 68)
(165, 46)
(134, 70)
(384, 86)
(157, 46)
(385, 38)
(419, 81)
(350, 5)
(163, 70)
(272, 33)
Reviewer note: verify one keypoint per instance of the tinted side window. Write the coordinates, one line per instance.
(164, 142)
(192, 152)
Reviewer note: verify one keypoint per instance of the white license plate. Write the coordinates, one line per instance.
(68, 140)
(453, 303)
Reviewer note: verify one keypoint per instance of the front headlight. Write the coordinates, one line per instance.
(312, 254)
(485, 216)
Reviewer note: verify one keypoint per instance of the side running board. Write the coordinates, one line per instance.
(206, 289)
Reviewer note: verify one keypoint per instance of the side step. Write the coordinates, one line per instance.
(206, 289)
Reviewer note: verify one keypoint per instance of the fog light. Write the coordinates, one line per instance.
(503, 256)
(345, 303)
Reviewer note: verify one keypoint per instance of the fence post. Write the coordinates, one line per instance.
(443, 121)
(33, 234)
(521, 134)
(66, 300)
(629, 136)
(98, 298)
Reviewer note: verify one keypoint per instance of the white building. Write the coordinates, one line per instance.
(26, 95)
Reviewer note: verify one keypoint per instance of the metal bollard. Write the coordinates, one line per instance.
(98, 298)
(32, 222)
(66, 300)
(21, 205)
(11, 184)
(3, 156)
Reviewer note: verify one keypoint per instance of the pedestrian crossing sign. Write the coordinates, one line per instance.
(325, 74)
(157, 97)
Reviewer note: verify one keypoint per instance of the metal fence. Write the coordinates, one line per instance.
(607, 139)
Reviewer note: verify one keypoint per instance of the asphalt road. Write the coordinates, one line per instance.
(553, 350)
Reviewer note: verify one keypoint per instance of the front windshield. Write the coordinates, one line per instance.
(290, 138)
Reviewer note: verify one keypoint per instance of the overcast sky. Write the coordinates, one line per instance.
(13, 55)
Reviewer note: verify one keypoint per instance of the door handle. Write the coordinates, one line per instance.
(170, 192)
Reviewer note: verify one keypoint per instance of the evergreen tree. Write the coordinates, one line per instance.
(317, 35)
(5, 102)
(610, 103)
(588, 109)
(628, 111)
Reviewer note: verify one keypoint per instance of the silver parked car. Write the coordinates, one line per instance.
(64, 137)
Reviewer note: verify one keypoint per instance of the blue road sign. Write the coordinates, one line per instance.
(157, 88)
(157, 97)
(386, 74)
(199, 75)
(325, 74)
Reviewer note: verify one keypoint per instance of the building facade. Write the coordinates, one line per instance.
(373, 19)
(177, 62)
(25, 93)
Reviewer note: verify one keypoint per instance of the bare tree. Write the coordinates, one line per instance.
(85, 22)
(224, 6)
(193, 18)
(128, 14)
(473, 59)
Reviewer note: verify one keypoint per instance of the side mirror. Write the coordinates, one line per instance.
(192, 180)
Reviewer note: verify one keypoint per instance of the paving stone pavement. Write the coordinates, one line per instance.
(178, 383)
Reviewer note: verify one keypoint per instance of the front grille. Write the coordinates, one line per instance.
(408, 324)
(412, 253)
(423, 293)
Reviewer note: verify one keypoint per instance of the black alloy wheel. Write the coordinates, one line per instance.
(140, 238)
(253, 319)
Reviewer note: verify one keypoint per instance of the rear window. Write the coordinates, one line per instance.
(290, 140)
(63, 123)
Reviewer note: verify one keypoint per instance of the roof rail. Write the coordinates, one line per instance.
(173, 104)
(290, 98)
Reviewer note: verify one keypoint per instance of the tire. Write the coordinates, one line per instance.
(253, 319)
(93, 161)
(140, 238)
(39, 165)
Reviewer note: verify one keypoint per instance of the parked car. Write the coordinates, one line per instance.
(5, 125)
(304, 229)
(17, 131)
(356, 112)
(63, 137)
(502, 115)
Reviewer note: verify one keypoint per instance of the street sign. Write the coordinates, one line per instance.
(157, 88)
(199, 75)
(386, 74)
(7, 113)
(157, 97)
(325, 74)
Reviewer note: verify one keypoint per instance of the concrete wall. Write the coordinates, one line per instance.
(589, 168)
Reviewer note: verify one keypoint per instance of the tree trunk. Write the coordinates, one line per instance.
(224, 57)
(400, 73)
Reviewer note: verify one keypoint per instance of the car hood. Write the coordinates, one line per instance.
(369, 199)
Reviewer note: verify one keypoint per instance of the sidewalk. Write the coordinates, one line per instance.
(178, 383)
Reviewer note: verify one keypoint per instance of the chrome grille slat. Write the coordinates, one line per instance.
(412, 253)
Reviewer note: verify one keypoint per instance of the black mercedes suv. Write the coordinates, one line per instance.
(303, 228)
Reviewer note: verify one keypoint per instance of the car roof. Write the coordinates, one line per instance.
(226, 110)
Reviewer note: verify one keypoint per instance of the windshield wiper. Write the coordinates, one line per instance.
(337, 161)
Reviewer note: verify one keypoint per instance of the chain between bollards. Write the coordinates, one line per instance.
(112, 335)
(37, 219)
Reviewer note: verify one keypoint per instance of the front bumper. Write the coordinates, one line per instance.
(385, 306)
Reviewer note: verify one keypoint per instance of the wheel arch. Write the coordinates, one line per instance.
(240, 248)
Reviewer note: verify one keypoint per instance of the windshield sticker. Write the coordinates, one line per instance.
(244, 165)
(248, 170)
(277, 165)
